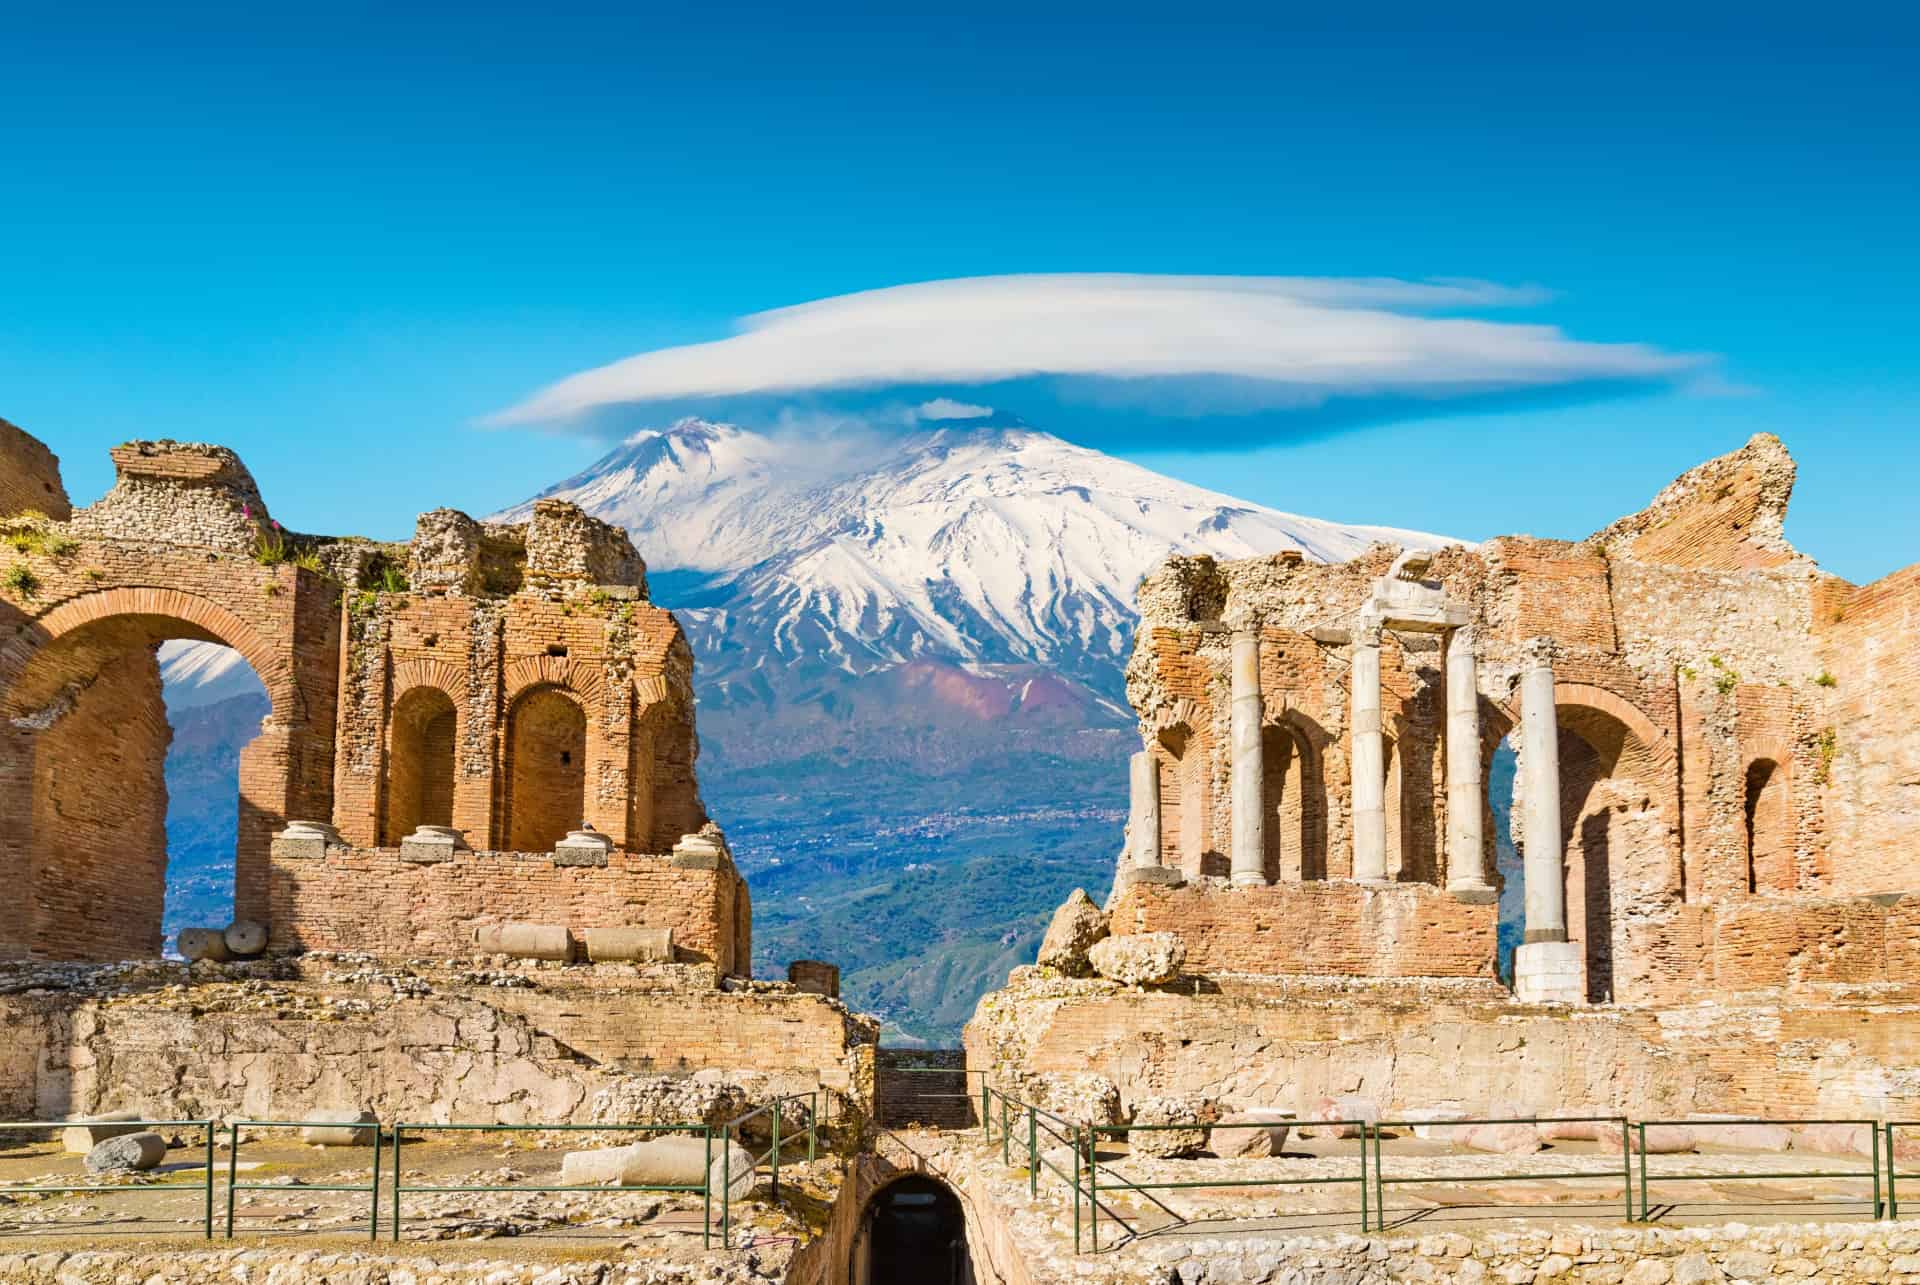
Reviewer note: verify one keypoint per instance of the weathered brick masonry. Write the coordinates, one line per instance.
(1732, 754)
(511, 682)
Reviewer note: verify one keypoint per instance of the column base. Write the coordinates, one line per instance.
(1476, 892)
(1549, 972)
(1165, 876)
(1249, 879)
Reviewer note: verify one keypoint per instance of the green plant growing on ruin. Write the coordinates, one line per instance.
(393, 579)
(1828, 744)
(59, 546)
(271, 588)
(1825, 679)
(1724, 678)
(1689, 673)
(270, 547)
(96, 575)
(21, 580)
(308, 560)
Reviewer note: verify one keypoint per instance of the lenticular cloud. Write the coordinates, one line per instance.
(1277, 341)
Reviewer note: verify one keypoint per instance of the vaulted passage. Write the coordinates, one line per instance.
(546, 769)
(914, 1233)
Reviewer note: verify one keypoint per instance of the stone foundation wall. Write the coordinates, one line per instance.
(1459, 1044)
(442, 1050)
(322, 903)
(1335, 928)
(1867, 754)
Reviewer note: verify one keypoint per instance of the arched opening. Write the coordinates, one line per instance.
(1617, 840)
(1183, 802)
(215, 704)
(546, 769)
(913, 1233)
(143, 804)
(420, 741)
(1295, 796)
(1769, 829)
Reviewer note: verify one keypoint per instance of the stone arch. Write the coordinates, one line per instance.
(586, 683)
(1184, 781)
(83, 738)
(912, 1229)
(544, 767)
(1294, 797)
(423, 732)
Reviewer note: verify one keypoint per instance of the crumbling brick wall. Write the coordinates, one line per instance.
(29, 477)
(1731, 729)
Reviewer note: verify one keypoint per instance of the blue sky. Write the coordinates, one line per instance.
(340, 238)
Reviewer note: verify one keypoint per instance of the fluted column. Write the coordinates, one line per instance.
(1143, 813)
(1369, 758)
(1547, 967)
(1466, 833)
(1249, 775)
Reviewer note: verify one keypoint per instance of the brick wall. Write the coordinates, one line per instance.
(370, 899)
(29, 476)
(1865, 755)
(924, 1087)
(1335, 928)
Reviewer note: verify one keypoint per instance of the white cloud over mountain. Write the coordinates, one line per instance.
(1234, 343)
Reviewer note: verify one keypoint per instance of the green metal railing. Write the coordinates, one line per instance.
(1893, 1166)
(371, 1186)
(1641, 1126)
(1095, 1132)
(132, 1126)
(1382, 1181)
(402, 1188)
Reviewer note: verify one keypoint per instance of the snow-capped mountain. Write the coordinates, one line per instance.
(978, 542)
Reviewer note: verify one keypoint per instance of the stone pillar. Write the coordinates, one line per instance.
(1143, 813)
(1466, 807)
(1249, 776)
(1369, 758)
(1546, 967)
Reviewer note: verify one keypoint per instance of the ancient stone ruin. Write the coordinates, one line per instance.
(1711, 734)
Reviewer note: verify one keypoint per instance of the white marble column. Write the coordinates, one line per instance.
(1466, 806)
(1143, 813)
(1249, 776)
(1369, 758)
(1547, 967)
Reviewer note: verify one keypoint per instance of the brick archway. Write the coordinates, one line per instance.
(83, 738)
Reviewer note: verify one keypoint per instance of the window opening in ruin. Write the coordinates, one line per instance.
(914, 1233)
(546, 769)
(1295, 834)
(214, 704)
(420, 754)
(1769, 830)
(1503, 799)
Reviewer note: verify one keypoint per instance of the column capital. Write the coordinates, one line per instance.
(1462, 639)
(1540, 652)
(1367, 632)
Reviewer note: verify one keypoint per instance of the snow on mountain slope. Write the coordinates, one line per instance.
(987, 543)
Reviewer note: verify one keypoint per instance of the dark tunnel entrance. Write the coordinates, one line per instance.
(914, 1233)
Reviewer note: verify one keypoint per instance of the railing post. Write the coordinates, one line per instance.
(1033, 1152)
(1073, 1144)
(776, 1150)
(1642, 1128)
(1893, 1176)
(373, 1219)
(233, 1169)
(1626, 1167)
(706, 1191)
(210, 1180)
(1093, 1187)
(1874, 1129)
(813, 1121)
(726, 1189)
(1382, 1201)
(398, 1129)
(986, 1115)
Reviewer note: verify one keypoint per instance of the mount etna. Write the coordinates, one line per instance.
(909, 655)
